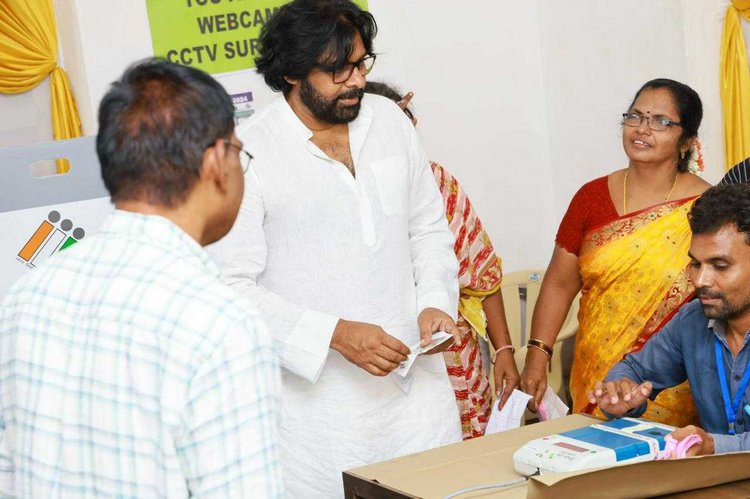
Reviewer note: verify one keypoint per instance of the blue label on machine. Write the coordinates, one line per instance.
(623, 446)
(619, 424)
(655, 433)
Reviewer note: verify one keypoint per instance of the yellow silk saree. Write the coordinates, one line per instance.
(634, 279)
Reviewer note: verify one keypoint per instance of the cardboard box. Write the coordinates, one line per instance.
(489, 460)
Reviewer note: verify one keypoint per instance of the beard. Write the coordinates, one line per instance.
(327, 110)
(725, 310)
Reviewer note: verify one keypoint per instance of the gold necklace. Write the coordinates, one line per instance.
(625, 191)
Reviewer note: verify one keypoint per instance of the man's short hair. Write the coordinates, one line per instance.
(306, 33)
(155, 123)
(722, 205)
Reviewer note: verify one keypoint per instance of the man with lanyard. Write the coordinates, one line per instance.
(707, 341)
(342, 243)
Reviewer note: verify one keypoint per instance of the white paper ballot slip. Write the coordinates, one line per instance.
(510, 416)
(438, 339)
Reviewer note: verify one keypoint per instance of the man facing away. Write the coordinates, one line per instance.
(342, 242)
(126, 367)
(707, 341)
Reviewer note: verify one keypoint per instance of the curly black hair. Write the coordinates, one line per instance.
(722, 205)
(306, 33)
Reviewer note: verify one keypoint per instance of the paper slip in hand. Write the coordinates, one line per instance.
(510, 416)
(551, 407)
(437, 340)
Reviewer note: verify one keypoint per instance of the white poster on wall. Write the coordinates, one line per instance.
(42, 216)
(32, 236)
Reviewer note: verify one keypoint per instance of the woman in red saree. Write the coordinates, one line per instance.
(623, 243)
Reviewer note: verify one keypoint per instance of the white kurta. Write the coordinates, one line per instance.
(312, 244)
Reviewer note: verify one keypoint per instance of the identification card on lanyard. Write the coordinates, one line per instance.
(731, 407)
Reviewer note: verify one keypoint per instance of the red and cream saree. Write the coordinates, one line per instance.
(479, 275)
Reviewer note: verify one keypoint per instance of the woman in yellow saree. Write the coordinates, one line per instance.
(634, 280)
(623, 243)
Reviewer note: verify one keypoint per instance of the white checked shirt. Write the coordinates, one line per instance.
(127, 369)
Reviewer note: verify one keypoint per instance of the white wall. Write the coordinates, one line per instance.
(476, 71)
(103, 38)
(26, 118)
(520, 99)
(593, 65)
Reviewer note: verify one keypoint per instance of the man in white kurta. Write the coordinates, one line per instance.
(319, 243)
(313, 244)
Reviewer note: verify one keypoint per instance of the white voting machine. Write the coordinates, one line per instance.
(611, 443)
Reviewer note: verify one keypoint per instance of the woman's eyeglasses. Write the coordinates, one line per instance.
(657, 123)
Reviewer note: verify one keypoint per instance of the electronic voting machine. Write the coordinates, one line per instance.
(611, 443)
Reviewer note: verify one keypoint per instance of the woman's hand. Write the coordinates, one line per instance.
(534, 376)
(506, 376)
(561, 283)
(404, 104)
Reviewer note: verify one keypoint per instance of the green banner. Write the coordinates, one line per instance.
(216, 36)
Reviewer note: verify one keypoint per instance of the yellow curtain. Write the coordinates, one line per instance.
(735, 85)
(28, 54)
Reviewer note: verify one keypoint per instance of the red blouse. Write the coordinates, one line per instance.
(591, 207)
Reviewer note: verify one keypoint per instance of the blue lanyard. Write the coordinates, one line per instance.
(731, 408)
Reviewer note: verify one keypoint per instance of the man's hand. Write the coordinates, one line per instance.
(431, 320)
(704, 448)
(619, 397)
(368, 346)
(506, 376)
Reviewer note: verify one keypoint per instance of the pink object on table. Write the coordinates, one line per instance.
(676, 449)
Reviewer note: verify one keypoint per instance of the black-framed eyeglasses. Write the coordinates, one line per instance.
(341, 75)
(245, 156)
(657, 123)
